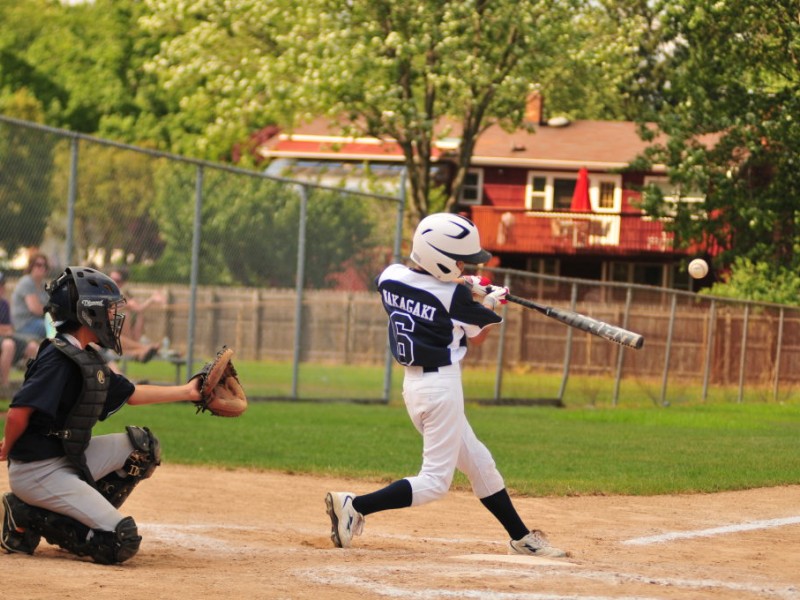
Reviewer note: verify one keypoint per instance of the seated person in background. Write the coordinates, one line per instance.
(12, 348)
(134, 326)
(133, 344)
(29, 299)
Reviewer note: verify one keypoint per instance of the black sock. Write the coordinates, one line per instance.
(394, 495)
(500, 506)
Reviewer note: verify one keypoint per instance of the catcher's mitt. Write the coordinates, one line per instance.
(220, 390)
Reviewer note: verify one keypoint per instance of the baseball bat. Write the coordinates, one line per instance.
(615, 334)
(609, 332)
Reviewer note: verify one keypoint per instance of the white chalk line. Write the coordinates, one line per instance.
(181, 535)
(176, 532)
(373, 579)
(343, 576)
(683, 535)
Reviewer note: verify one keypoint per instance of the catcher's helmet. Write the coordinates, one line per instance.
(88, 297)
(443, 239)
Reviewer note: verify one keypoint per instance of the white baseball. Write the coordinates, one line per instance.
(698, 268)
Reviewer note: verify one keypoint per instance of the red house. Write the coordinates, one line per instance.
(559, 200)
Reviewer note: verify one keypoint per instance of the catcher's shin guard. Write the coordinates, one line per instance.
(104, 547)
(141, 463)
(112, 547)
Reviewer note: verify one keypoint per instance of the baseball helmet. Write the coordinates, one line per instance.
(443, 239)
(88, 297)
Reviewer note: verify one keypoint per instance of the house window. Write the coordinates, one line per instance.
(605, 192)
(549, 191)
(537, 193)
(553, 191)
(472, 190)
(671, 193)
(563, 189)
(605, 198)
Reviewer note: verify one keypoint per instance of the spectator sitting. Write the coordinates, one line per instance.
(29, 299)
(12, 347)
(134, 309)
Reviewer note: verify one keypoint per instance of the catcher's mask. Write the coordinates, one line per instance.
(442, 240)
(85, 296)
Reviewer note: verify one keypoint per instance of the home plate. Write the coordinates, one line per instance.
(516, 558)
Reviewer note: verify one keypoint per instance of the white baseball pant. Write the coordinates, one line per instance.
(435, 403)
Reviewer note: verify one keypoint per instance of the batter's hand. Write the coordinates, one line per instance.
(497, 295)
(480, 286)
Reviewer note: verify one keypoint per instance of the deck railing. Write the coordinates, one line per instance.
(549, 232)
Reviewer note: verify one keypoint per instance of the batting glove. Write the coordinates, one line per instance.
(478, 285)
(496, 296)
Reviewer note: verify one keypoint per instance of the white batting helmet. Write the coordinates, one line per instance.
(441, 240)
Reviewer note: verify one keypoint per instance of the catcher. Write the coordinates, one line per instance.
(66, 485)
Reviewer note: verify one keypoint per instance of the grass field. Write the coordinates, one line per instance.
(349, 382)
(586, 448)
(540, 451)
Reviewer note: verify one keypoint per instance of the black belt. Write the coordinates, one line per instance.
(430, 369)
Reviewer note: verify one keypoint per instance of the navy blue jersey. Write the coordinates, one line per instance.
(429, 320)
(52, 385)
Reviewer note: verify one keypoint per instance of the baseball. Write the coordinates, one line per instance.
(698, 268)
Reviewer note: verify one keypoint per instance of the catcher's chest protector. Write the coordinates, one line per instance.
(77, 428)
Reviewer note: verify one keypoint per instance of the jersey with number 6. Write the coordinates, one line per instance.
(429, 320)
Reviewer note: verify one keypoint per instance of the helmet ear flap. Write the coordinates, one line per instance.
(63, 299)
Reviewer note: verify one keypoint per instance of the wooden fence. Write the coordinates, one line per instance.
(686, 336)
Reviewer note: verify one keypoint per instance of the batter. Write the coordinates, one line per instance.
(431, 316)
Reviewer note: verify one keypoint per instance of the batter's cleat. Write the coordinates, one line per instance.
(535, 544)
(14, 537)
(345, 520)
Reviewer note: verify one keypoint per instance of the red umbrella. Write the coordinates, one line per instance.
(580, 197)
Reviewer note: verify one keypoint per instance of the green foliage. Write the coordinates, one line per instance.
(391, 69)
(251, 227)
(721, 80)
(26, 197)
(216, 71)
(114, 192)
(759, 282)
(80, 61)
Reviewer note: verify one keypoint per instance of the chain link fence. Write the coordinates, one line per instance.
(283, 271)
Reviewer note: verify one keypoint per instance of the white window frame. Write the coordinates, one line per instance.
(595, 179)
(662, 179)
(594, 192)
(549, 186)
(548, 191)
(479, 196)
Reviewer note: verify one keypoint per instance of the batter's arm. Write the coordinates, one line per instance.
(482, 336)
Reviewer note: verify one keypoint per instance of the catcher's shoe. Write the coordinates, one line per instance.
(14, 537)
(535, 544)
(346, 521)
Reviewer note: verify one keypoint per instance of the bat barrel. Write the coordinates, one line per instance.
(606, 331)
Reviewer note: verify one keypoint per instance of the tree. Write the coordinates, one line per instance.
(216, 72)
(726, 105)
(392, 69)
(759, 282)
(250, 230)
(26, 170)
(115, 190)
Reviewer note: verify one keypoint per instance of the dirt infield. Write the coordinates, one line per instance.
(241, 534)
